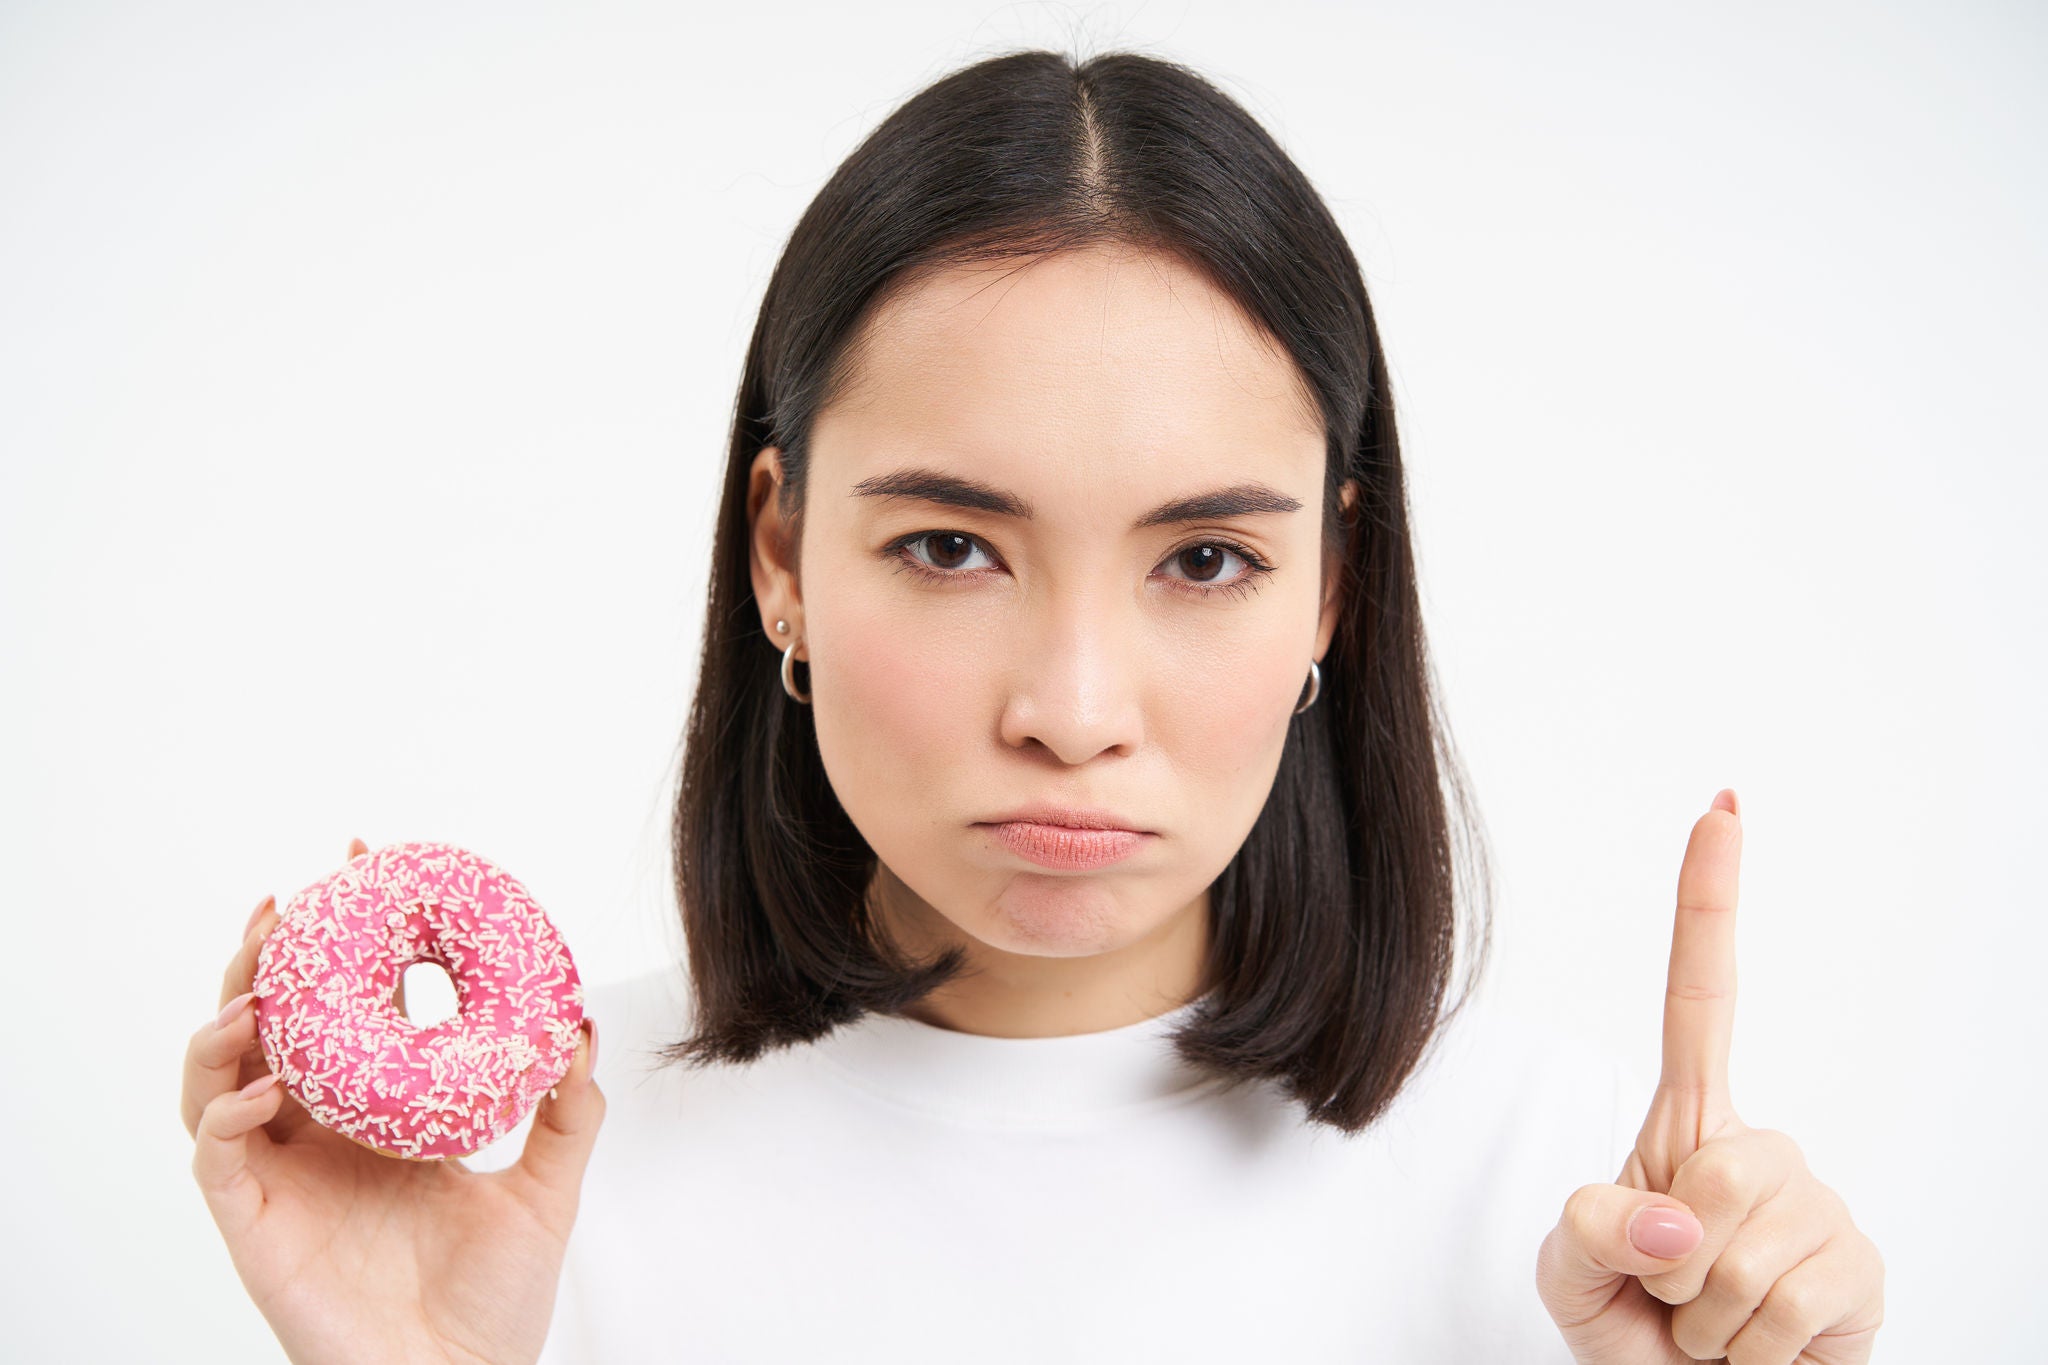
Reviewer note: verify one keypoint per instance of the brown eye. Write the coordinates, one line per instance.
(1205, 575)
(953, 548)
(937, 557)
(1203, 561)
(939, 551)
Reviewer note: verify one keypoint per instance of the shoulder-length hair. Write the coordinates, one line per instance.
(1333, 932)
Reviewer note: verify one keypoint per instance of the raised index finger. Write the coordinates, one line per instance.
(1699, 993)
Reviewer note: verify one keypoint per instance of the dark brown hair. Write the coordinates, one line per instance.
(1333, 931)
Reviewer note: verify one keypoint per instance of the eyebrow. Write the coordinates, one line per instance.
(950, 490)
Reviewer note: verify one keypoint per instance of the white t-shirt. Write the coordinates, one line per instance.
(906, 1193)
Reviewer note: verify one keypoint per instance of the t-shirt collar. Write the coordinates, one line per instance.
(1016, 1082)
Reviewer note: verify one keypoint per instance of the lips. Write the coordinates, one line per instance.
(1065, 848)
(1068, 817)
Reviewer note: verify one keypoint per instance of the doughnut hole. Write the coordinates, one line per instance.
(426, 994)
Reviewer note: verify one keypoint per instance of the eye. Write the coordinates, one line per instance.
(1205, 562)
(953, 548)
(948, 555)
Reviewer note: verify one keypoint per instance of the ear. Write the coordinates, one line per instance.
(771, 550)
(1333, 568)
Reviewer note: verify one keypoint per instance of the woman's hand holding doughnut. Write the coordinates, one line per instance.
(354, 1255)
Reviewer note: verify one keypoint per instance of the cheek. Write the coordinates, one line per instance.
(1225, 726)
(891, 703)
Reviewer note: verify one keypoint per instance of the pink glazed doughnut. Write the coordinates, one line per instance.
(337, 1041)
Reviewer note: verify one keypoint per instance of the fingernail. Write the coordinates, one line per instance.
(259, 1085)
(1663, 1232)
(592, 1029)
(233, 1009)
(257, 913)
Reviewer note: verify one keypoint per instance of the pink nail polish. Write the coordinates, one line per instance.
(233, 1009)
(1665, 1233)
(257, 913)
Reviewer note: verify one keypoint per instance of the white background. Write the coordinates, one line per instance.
(364, 383)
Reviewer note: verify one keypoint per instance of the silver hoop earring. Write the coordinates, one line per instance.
(1315, 687)
(789, 676)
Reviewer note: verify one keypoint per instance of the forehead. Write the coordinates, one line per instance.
(1108, 359)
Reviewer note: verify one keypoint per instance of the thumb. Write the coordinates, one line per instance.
(1608, 1231)
(565, 1129)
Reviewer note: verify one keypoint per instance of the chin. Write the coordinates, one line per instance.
(1048, 916)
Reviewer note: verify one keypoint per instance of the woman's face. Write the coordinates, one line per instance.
(1061, 648)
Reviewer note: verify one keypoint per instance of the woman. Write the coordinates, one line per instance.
(1067, 861)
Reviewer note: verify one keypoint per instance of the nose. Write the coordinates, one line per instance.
(1076, 683)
